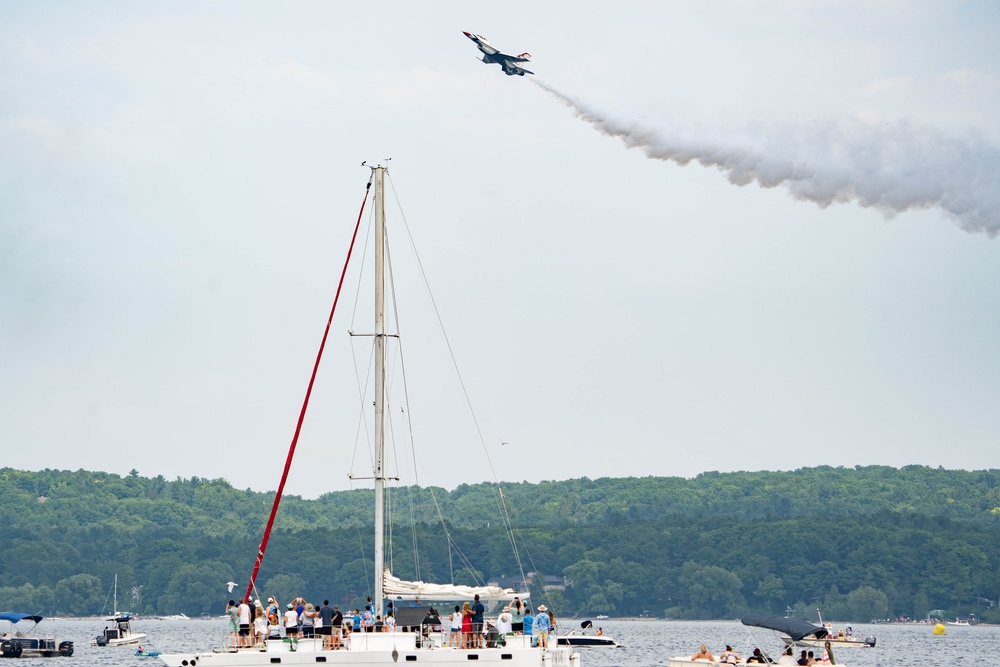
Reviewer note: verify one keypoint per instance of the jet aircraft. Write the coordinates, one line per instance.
(510, 64)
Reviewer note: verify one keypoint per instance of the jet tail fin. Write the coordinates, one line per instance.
(525, 56)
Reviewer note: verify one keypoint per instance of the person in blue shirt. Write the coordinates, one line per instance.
(529, 621)
(542, 625)
(477, 622)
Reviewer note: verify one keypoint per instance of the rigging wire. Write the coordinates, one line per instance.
(498, 491)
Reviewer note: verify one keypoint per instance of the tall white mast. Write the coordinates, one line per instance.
(379, 385)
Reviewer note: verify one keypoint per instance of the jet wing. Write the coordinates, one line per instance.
(512, 66)
(522, 58)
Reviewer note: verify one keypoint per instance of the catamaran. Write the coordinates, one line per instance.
(382, 649)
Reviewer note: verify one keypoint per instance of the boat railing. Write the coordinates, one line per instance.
(401, 640)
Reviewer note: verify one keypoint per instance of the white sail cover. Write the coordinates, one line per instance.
(397, 589)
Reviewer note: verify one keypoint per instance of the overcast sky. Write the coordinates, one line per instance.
(178, 183)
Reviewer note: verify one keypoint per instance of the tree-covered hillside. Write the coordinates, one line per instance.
(860, 542)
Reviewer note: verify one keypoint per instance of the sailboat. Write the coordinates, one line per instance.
(119, 634)
(384, 649)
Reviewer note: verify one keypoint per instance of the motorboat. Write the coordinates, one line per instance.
(803, 634)
(585, 638)
(15, 643)
(118, 634)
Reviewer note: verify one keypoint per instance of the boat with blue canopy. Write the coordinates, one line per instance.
(16, 643)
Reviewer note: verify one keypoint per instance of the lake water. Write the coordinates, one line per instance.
(645, 643)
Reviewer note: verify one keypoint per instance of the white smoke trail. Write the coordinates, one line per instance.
(890, 167)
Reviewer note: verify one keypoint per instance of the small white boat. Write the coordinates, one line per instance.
(572, 638)
(120, 634)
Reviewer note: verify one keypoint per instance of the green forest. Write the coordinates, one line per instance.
(860, 543)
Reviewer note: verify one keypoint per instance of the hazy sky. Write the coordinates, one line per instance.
(178, 182)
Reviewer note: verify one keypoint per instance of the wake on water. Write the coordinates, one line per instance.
(892, 167)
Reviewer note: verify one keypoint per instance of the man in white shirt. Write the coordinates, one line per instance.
(505, 623)
(244, 614)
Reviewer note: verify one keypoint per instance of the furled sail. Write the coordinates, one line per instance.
(397, 589)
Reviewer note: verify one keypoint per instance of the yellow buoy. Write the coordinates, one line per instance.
(939, 629)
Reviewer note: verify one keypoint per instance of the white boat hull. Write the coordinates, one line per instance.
(129, 639)
(370, 649)
(587, 641)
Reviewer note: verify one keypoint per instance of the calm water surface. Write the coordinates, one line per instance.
(645, 643)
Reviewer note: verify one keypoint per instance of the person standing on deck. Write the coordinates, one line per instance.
(273, 619)
(455, 636)
(504, 622)
(291, 622)
(466, 625)
(259, 626)
(477, 622)
(326, 624)
(529, 621)
(233, 612)
(542, 625)
(338, 626)
(244, 611)
(368, 619)
(517, 617)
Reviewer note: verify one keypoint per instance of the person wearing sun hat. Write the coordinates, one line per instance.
(504, 623)
(542, 625)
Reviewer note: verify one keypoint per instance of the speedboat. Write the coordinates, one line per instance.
(803, 634)
(584, 639)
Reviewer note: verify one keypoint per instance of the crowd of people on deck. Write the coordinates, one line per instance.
(251, 623)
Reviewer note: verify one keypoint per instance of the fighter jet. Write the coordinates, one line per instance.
(510, 64)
